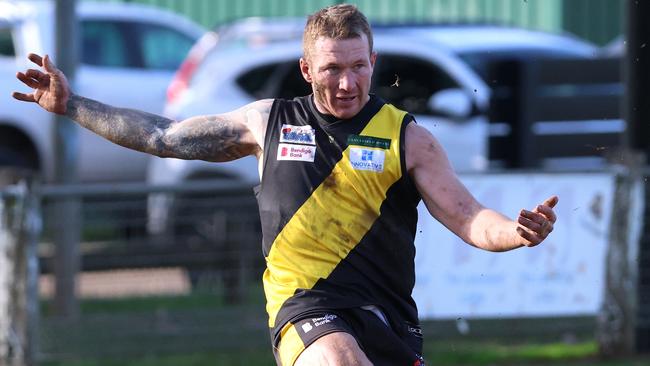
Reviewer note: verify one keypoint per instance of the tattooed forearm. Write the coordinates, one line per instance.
(213, 138)
(130, 128)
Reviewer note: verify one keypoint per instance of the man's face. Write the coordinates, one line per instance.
(339, 72)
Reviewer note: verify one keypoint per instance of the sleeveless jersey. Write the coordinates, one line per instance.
(338, 212)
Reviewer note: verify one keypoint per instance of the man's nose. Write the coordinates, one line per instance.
(346, 81)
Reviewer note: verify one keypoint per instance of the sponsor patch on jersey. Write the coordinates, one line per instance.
(369, 141)
(296, 152)
(298, 134)
(367, 159)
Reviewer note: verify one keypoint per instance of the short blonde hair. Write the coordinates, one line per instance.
(343, 21)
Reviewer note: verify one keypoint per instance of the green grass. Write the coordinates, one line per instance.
(241, 358)
(439, 354)
(490, 353)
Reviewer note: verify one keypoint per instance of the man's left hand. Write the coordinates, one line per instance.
(534, 226)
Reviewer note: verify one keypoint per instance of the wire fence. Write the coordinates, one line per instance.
(177, 270)
(162, 270)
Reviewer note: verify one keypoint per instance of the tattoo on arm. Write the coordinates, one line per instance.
(212, 138)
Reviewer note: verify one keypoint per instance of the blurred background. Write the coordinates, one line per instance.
(116, 257)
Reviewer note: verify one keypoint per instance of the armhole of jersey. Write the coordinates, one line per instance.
(408, 118)
(267, 136)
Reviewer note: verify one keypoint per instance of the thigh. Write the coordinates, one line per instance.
(334, 349)
(323, 338)
(381, 343)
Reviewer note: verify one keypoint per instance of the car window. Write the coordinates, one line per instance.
(254, 80)
(106, 44)
(6, 42)
(274, 80)
(162, 48)
(409, 82)
(291, 83)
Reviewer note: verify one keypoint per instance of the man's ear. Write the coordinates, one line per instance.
(373, 59)
(305, 70)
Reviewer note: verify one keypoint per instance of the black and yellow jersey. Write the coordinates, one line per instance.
(338, 212)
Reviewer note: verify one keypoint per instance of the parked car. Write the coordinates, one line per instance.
(478, 46)
(481, 46)
(440, 75)
(128, 55)
(441, 90)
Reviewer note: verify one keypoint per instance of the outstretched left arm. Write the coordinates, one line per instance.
(453, 205)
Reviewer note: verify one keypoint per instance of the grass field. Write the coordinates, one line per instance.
(473, 353)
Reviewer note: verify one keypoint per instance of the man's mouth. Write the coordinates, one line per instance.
(347, 98)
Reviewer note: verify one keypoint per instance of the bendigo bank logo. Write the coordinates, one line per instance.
(296, 152)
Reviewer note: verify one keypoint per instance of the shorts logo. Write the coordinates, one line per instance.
(298, 134)
(296, 152)
(312, 323)
(414, 330)
(323, 320)
(367, 159)
(307, 327)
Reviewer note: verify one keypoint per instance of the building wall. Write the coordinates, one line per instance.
(596, 20)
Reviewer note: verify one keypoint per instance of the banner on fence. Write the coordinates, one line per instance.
(563, 276)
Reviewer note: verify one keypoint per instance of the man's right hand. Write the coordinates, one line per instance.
(51, 88)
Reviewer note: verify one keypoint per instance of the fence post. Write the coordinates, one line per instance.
(20, 225)
(617, 320)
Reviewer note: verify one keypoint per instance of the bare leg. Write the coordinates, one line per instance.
(334, 349)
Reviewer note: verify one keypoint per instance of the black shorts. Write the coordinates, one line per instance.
(378, 341)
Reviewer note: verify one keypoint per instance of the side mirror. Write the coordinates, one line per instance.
(451, 103)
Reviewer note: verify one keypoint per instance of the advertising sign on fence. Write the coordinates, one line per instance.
(562, 276)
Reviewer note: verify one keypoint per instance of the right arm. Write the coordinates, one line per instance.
(217, 138)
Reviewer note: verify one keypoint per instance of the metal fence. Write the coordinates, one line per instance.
(188, 285)
(144, 291)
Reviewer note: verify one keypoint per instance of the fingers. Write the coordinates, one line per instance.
(530, 224)
(535, 226)
(44, 62)
(551, 202)
(48, 65)
(35, 74)
(38, 60)
(32, 78)
(547, 211)
(23, 97)
(533, 216)
(531, 238)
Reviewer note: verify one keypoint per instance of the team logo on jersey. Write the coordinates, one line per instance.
(367, 159)
(296, 152)
(298, 134)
